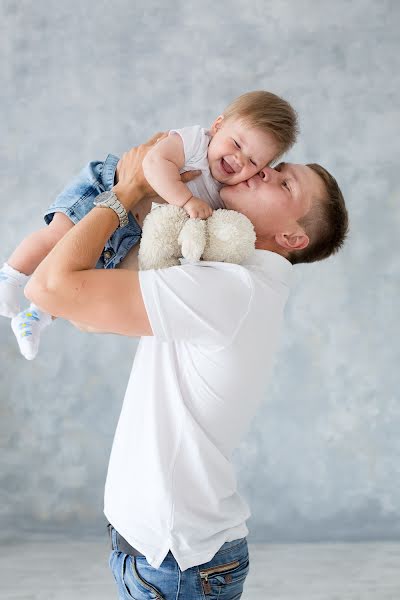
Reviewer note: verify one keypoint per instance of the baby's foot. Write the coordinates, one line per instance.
(11, 282)
(27, 327)
(9, 296)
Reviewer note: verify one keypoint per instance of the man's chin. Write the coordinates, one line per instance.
(224, 194)
(230, 200)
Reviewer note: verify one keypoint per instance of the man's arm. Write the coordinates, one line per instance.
(66, 283)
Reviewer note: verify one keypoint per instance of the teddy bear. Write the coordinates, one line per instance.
(168, 234)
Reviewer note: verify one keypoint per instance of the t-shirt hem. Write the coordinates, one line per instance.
(187, 561)
(135, 542)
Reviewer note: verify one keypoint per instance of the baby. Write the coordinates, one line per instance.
(253, 131)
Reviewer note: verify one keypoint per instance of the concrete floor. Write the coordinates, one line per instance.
(49, 569)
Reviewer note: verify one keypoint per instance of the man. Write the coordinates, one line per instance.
(209, 334)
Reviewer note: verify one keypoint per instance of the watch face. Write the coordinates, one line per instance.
(102, 198)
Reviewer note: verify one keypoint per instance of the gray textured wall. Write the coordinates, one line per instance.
(81, 79)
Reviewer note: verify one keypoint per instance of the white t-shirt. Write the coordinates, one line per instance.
(195, 146)
(193, 391)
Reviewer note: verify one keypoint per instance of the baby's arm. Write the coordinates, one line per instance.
(161, 168)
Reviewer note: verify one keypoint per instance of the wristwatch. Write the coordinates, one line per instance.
(109, 200)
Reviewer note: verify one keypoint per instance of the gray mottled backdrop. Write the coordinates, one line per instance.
(80, 79)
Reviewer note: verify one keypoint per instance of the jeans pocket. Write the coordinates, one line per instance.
(225, 581)
(93, 173)
(135, 584)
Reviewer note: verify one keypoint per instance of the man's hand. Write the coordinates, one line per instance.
(129, 170)
(198, 208)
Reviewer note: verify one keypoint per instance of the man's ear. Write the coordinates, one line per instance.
(293, 241)
(216, 124)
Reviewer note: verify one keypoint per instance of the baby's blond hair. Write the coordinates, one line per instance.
(267, 112)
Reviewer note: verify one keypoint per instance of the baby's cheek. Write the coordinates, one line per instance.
(255, 170)
(248, 172)
(245, 174)
(242, 176)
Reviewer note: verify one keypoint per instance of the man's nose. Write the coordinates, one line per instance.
(268, 174)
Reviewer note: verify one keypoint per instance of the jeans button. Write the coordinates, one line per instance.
(107, 255)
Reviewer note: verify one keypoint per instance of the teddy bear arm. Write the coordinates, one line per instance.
(192, 239)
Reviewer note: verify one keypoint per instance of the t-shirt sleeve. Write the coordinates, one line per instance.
(195, 145)
(203, 303)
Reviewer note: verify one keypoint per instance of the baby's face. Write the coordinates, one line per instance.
(237, 152)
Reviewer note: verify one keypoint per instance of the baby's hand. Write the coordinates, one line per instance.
(197, 208)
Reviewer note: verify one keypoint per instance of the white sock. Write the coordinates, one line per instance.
(27, 327)
(11, 272)
(11, 282)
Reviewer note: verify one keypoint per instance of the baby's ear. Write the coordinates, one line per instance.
(216, 124)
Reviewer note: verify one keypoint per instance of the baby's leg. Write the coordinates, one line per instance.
(34, 248)
(29, 324)
(24, 260)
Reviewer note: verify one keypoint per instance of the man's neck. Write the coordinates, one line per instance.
(271, 245)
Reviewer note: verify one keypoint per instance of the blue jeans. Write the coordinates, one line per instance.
(221, 578)
(76, 200)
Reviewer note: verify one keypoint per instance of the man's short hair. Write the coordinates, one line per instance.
(326, 223)
(269, 113)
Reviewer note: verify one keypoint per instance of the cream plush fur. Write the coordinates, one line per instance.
(169, 234)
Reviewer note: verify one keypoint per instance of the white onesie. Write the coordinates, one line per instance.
(195, 145)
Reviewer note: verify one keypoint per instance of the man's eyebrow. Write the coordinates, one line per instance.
(289, 170)
(296, 187)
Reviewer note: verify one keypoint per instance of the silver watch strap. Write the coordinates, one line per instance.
(110, 200)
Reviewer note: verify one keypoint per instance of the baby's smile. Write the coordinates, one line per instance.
(227, 167)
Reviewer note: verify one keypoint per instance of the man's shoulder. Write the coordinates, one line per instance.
(199, 278)
(211, 267)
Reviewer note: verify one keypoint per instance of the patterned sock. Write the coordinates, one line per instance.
(27, 327)
(11, 282)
